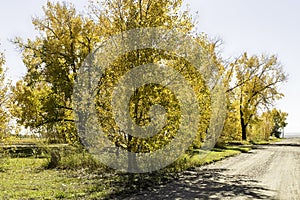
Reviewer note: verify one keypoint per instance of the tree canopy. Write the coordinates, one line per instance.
(43, 99)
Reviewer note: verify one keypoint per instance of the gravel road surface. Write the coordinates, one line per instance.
(269, 172)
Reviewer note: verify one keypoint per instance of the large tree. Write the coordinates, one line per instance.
(44, 97)
(254, 86)
(117, 16)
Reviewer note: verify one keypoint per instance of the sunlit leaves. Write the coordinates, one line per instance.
(52, 60)
(4, 99)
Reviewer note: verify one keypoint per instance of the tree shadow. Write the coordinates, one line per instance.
(286, 144)
(197, 184)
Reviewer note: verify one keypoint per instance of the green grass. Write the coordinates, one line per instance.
(211, 157)
(243, 149)
(200, 157)
(26, 178)
(265, 142)
(218, 154)
(78, 176)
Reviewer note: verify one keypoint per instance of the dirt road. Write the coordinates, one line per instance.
(270, 172)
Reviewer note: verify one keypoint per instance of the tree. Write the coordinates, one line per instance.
(254, 86)
(231, 131)
(66, 38)
(269, 123)
(279, 120)
(118, 16)
(44, 97)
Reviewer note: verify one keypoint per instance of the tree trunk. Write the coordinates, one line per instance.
(244, 132)
(243, 125)
(132, 163)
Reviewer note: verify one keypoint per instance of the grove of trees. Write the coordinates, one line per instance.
(42, 100)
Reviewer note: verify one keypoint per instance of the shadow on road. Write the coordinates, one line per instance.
(286, 144)
(205, 184)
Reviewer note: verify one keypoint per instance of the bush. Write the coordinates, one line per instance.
(72, 158)
(78, 161)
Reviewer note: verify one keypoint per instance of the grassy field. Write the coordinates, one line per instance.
(28, 178)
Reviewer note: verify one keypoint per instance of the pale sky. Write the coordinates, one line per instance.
(255, 26)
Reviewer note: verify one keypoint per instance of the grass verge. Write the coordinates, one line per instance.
(199, 157)
(264, 142)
